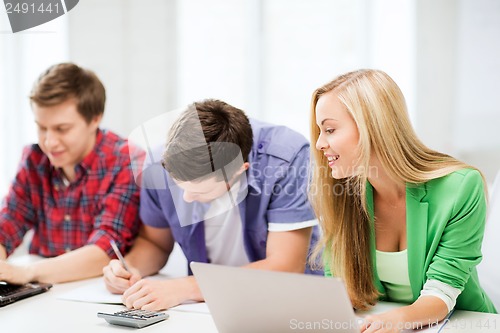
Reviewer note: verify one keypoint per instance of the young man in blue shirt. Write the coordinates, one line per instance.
(234, 193)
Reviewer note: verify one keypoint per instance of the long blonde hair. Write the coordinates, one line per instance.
(378, 107)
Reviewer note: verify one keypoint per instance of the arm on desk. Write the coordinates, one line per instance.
(424, 311)
(286, 251)
(82, 263)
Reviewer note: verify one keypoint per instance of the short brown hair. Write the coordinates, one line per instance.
(66, 80)
(226, 133)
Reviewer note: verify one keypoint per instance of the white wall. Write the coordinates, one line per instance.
(478, 83)
(476, 117)
(458, 70)
(436, 72)
(131, 45)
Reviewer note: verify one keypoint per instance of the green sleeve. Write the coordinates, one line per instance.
(459, 249)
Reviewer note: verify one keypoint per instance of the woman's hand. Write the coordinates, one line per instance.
(389, 322)
(424, 311)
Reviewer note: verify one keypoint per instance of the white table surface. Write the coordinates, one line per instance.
(48, 313)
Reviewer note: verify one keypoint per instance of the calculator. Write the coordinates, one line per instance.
(133, 318)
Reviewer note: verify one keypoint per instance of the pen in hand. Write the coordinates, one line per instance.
(118, 254)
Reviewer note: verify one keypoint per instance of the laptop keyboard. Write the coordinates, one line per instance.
(9, 289)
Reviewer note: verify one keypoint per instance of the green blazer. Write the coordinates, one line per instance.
(445, 220)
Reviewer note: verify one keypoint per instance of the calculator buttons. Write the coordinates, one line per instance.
(133, 318)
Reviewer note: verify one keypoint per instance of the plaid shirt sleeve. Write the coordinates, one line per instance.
(118, 217)
(17, 214)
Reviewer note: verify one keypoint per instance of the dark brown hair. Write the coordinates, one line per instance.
(191, 155)
(66, 80)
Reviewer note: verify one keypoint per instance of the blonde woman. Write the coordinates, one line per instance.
(400, 221)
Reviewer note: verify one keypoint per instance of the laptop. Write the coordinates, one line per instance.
(10, 293)
(251, 300)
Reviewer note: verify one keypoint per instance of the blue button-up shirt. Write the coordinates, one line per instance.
(275, 193)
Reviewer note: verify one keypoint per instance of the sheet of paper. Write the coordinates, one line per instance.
(96, 292)
(192, 307)
(93, 292)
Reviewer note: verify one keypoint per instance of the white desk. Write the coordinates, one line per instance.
(474, 322)
(47, 313)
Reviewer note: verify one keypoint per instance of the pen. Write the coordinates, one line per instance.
(118, 254)
(446, 320)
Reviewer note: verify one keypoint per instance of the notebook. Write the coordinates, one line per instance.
(250, 300)
(10, 293)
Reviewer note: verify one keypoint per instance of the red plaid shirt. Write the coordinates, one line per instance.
(101, 204)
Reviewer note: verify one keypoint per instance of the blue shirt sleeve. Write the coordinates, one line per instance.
(289, 198)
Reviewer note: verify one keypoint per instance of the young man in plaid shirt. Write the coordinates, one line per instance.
(75, 188)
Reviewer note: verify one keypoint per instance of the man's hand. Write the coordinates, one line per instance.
(160, 294)
(15, 274)
(117, 278)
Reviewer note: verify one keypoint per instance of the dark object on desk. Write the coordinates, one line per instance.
(133, 318)
(10, 293)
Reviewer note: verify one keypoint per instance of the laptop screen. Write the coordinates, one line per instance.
(10, 293)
